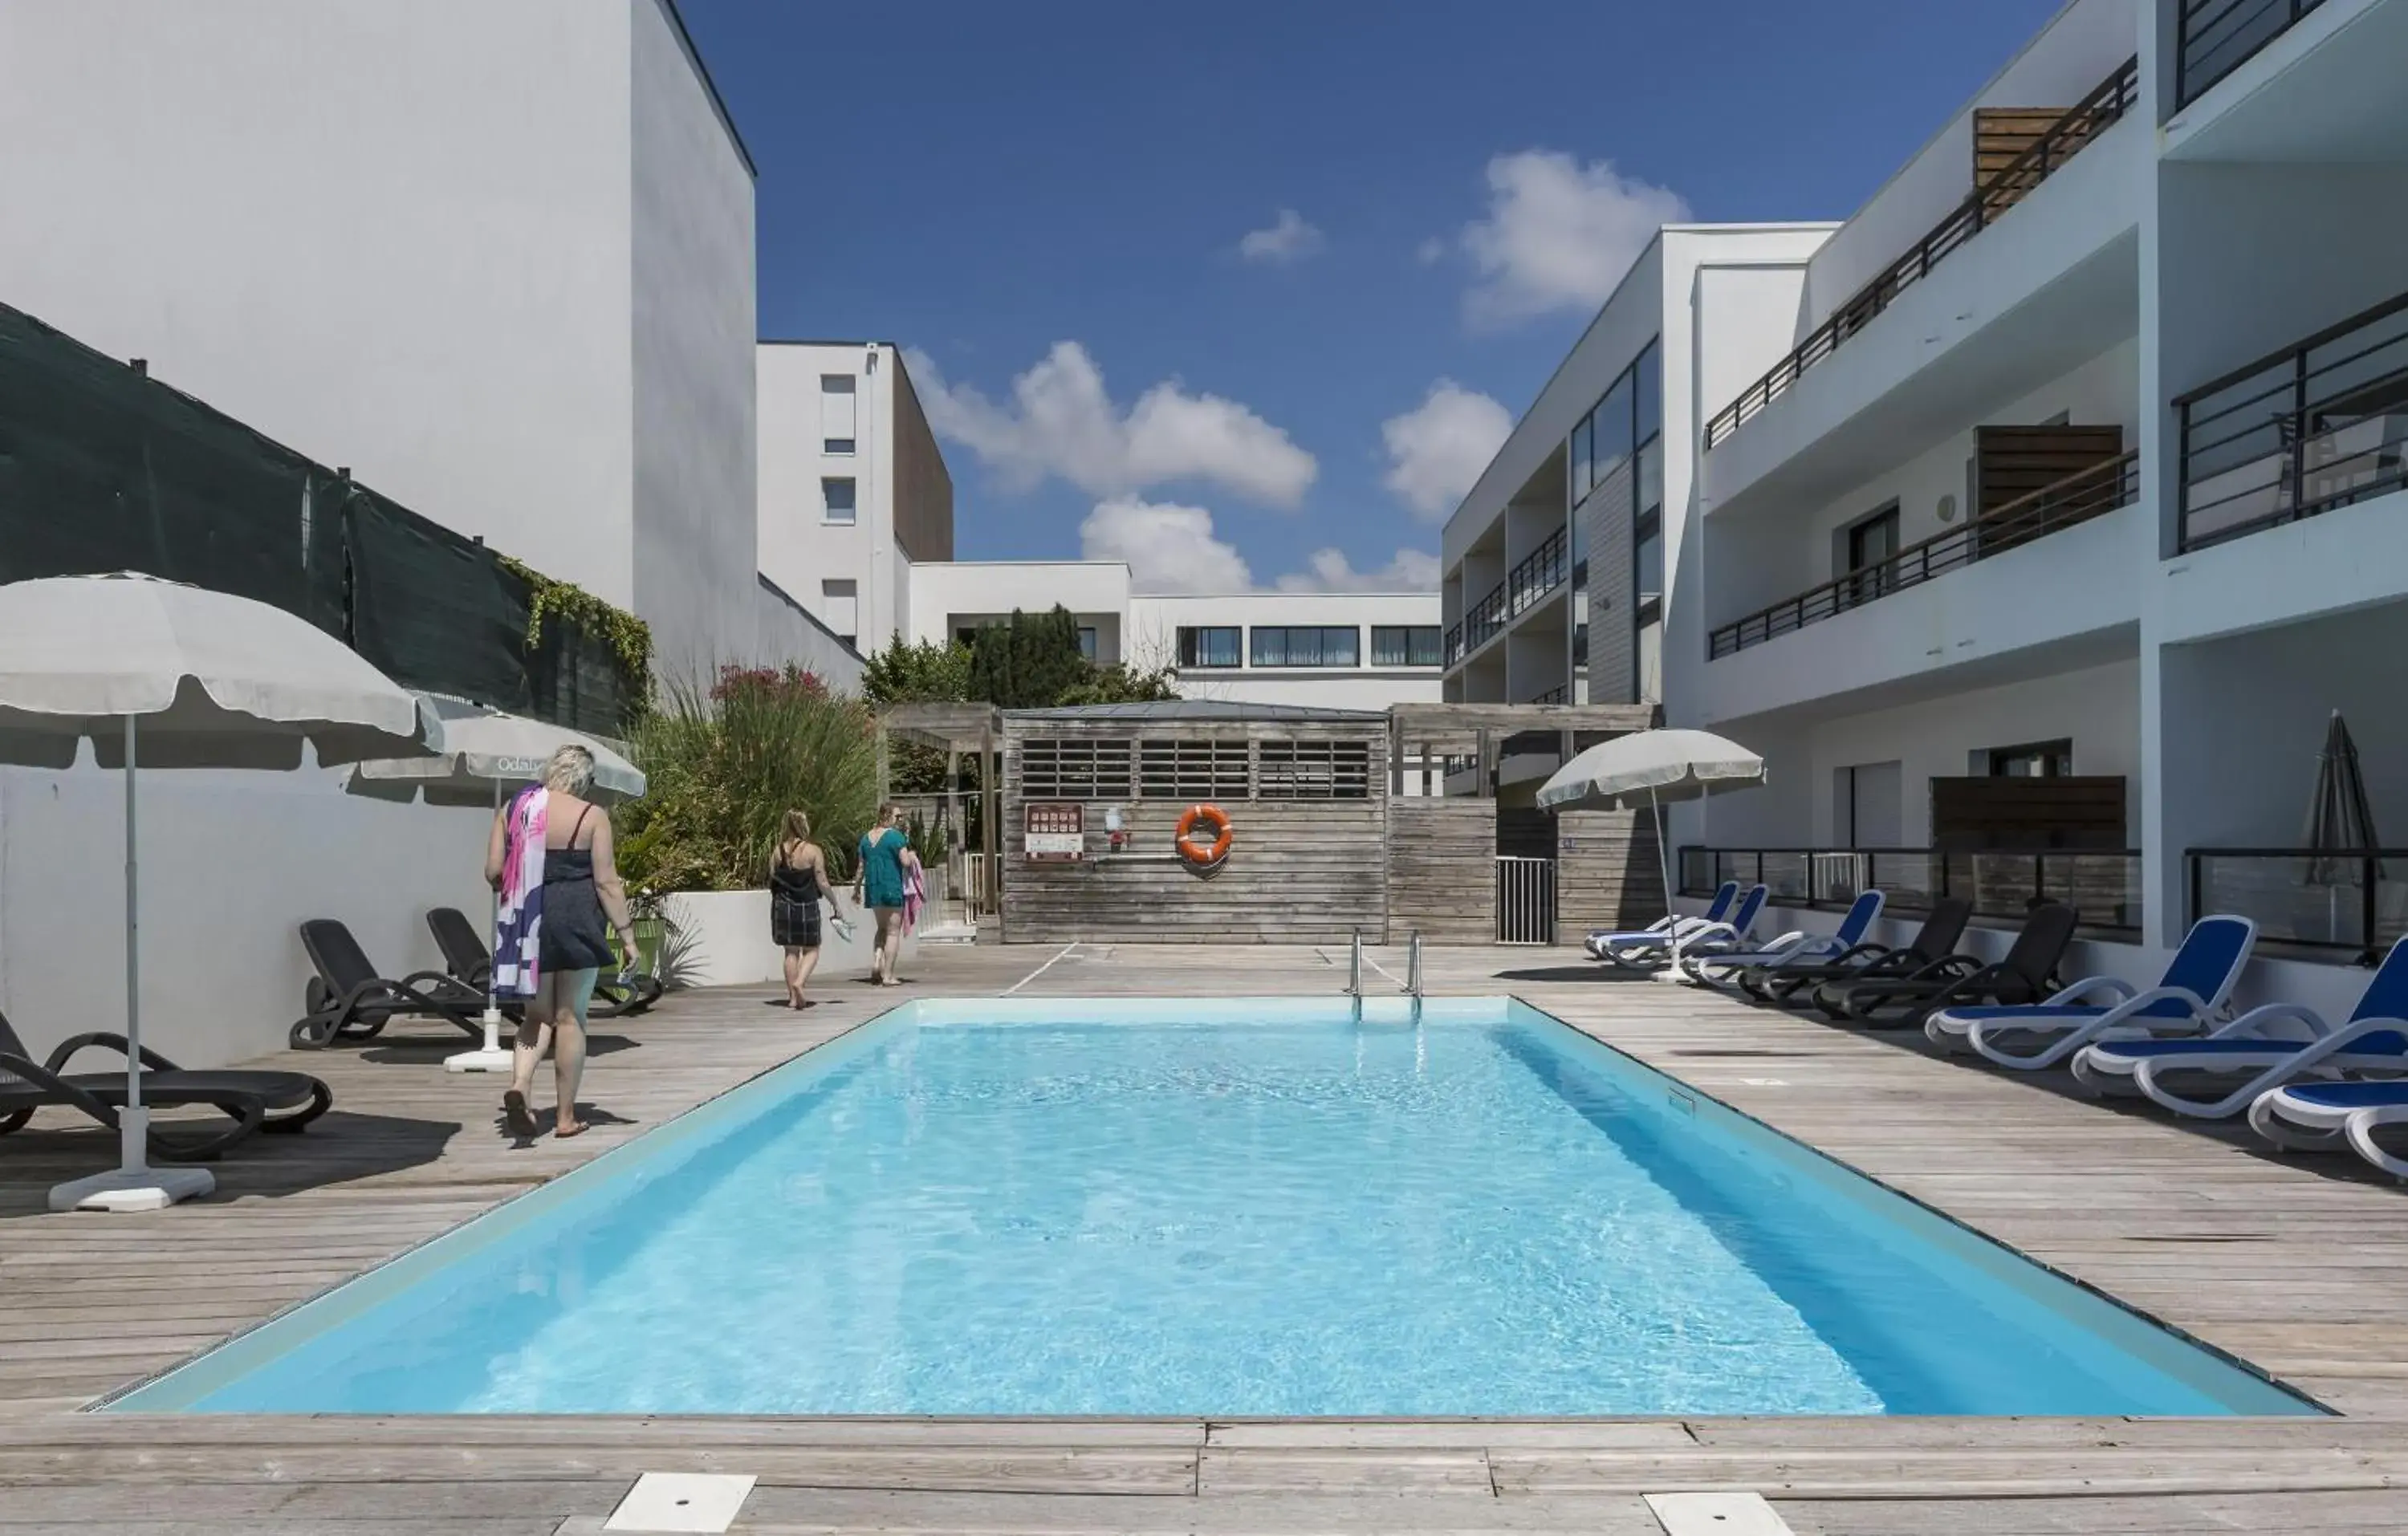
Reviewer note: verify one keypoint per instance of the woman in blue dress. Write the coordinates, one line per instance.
(886, 857)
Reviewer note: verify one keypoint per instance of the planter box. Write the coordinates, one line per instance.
(725, 935)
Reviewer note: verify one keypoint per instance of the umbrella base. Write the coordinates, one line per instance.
(493, 1057)
(129, 1189)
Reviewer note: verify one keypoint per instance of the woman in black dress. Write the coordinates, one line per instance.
(580, 888)
(797, 880)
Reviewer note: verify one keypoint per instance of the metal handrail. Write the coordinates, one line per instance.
(2270, 414)
(2107, 103)
(1538, 573)
(2368, 878)
(2078, 497)
(1486, 619)
(2200, 39)
(1454, 652)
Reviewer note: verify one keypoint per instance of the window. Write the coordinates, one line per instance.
(2033, 760)
(1864, 546)
(1192, 770)
(841, 607)
(1630, 414)
(1650, 663)
(1405, 645)
(1583, 456)
(836, 494)
(1314, 770)
(1087, 641)
(1614, 439)
(1651, 572)
(1648, 404)
(836, 413)
(1306, 645)
(1651, 478)
(1207, 645)
(1075, 767)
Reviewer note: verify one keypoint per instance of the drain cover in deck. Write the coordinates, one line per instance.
(681, 1501)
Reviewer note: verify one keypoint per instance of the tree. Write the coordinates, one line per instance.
(921, 672)
(1029, 663)
(1121, 683)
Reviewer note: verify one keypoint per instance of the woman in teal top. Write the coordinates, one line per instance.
(886, 856)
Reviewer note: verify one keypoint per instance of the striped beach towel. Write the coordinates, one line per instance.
(518, 927)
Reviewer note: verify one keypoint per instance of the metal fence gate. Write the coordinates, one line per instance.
(1526, 899)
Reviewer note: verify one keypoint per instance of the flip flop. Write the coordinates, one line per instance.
(578, 1129)
(518, 1117)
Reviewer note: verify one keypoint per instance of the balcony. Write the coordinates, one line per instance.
(2077, 498)
(2317, 426)
(1453, 644)
(2101, 885)
(2215, 37)
(1989, 200)
(2342, 905)
(1539, 573)
(1486, 621)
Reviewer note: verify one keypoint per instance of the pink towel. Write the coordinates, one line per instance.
(518, 924)
(915, 898)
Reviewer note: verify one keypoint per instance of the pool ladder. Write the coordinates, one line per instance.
(1413, 971)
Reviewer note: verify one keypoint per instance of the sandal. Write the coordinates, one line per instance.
(516, 1114)
(563, 1134)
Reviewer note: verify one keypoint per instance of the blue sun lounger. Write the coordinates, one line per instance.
(1657, 950)
(1719, 908)
(1719, 966)
(2328, 1116)
(2262, 1046)
(2186, 1002)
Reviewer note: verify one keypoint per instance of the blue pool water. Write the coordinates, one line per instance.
(1223, 1209)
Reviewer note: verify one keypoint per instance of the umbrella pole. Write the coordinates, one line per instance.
(134, 1184)
(1664, 862)
(490, 1056)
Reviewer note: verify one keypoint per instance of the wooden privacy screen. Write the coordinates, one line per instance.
(2077, 811)
(2013, 462)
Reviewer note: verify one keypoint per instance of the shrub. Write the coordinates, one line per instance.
(723, 766)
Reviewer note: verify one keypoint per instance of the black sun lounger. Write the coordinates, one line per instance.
(348, 1000)
(255, 1100)
(2028, 974)
(1792, 987)
(471, 964)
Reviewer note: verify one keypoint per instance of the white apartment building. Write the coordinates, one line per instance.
(496, 256)
(2075, 454)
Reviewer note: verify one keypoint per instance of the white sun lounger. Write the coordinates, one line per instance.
(2328, 1116)
(2269, 1046)
(1657, 950)
(2186, 1002)
(1720, 967)
(1659, 931)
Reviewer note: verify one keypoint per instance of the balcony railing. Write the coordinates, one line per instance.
(1487, 616)
(1540, 572)
(2317, 426)
(1560, 694)
(2353, 901)
(2102, 885)
(1453, 643)
(2112, 98)
(2215, 37)
(2077, 498)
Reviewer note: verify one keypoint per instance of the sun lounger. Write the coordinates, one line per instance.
(2328, 1116)
(1721, 967)
(255, 1100)
(1789, 987)
(2266, 1047)
(347, 998)
(2027, 973)
(471, 964)
(1603, 939)
(1733, 934)
(2186, 1000)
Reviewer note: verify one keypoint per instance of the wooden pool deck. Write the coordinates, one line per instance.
(2301, 1267)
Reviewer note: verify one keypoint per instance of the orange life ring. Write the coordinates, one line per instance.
(1196, 852)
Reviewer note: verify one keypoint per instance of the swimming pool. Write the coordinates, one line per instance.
(1255, 1207)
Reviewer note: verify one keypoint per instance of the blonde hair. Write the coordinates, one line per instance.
(571, 770)
(798, 826)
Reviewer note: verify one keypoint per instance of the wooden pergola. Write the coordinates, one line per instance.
(957, 729)
(1477, 730)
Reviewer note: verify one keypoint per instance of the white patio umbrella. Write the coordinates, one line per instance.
(213, 680)
(486, 753)
(1652, 768)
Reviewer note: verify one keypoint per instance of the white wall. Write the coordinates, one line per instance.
(729, 935)
(692, 295)
(980, 591)
(800, 548)
(232, 863)
(395, 238)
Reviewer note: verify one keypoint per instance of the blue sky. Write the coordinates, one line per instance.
(1050, 205)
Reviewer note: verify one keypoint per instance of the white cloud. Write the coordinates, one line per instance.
(1289, 239)
(1329, 571)
(1060, 423)
(1168, 548)
(1437, 450)
(1430, 251)
(1559, 234)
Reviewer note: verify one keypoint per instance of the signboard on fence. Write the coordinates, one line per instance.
(1054, 833)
